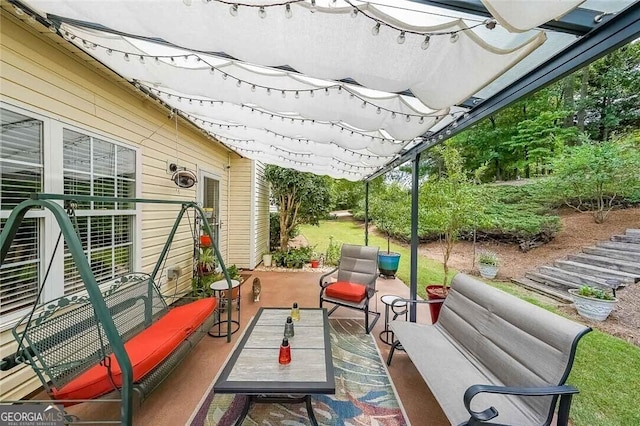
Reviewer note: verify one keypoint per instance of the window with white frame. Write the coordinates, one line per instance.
(89, 165)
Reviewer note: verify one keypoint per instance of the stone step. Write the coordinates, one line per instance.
(632, 232)
(635, 239)
(629, 256)
(551, 280)
(595, 271)
(614, 245)
(575, 278)
(607, 262)
(553, 293)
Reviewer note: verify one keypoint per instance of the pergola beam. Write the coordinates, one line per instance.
(618, 31)
(578, 22)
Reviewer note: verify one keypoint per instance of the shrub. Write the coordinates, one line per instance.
(333, 252)
(293, 257)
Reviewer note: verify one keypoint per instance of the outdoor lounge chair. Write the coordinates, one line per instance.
(355, 283)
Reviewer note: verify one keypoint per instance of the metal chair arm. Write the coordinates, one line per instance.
(479, 417)
(322, 278)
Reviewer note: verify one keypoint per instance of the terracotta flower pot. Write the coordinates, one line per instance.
(315, 263)
(435, 292)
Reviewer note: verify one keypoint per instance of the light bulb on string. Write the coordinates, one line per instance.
(141, 59)
(408, 118)
(109, 52)
(287, 11)
(212, 70)
(157, 60)
(262, 13)
(311, 94)
(313, 6)
(233, 10)
(425, 43)
(239, 83)
(364, 104)
(326, 91)
(297, 95)
(224, 76)
(378, 110)
(393, 115)
(284, 94)
(354, 12)
(376, 29)
(126, 57)
(454, 37)
(253, 87)
(421, 120)
(401, 38)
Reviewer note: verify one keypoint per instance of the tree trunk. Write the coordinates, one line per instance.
(568, 101)
(284, 235)
(584, 86)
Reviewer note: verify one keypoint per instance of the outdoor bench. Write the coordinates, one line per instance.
(493, 356)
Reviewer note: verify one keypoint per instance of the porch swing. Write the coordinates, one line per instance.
(119, 335)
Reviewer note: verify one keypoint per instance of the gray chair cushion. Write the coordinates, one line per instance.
(358, 264)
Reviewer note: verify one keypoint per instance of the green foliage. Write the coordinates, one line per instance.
(346, 195)
(594, 292)
(451, 203)
(300, 197)
(594, 176)
(333, 252)
(293, 257)
(206, 260)
(489, 258)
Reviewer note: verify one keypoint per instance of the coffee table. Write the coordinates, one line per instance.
(253, 368)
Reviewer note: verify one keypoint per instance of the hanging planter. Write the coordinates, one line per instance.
(205, 241)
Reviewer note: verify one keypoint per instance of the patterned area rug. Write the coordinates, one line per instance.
(365, 394)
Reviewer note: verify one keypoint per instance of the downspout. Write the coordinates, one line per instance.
(228, 203)
(413, 287)
(366, 213)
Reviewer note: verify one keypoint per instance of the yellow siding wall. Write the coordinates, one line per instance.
(238, 230)
(261, 212)
(39, 75)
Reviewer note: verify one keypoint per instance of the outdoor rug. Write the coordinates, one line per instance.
(365, 394)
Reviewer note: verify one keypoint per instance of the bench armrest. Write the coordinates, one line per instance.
(324, 284)
(478, 417)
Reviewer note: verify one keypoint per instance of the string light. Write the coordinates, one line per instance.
(233, 10)
(262, 13)
(401, 38)
(425, 43)
(287, 11)
(376, 29)
(454, 37)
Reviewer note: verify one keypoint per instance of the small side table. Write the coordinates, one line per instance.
(219, 328)
(386, 335)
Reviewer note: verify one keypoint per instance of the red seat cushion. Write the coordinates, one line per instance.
(146, 351)
(345, 290)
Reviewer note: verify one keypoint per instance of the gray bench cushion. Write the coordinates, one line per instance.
(486, 336)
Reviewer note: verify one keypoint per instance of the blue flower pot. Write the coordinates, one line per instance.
(388, 263)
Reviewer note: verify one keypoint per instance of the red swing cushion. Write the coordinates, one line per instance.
(146, 351)
(345, 290)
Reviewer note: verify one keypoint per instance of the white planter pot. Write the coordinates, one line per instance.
(266, 260)
(592, 309)
(488, 271)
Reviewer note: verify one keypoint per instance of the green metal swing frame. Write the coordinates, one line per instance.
(96, 297)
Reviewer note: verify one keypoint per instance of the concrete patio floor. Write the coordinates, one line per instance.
(178, 396)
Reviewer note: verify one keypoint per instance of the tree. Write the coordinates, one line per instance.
(593, 176)
(300, 197)
(450, 203)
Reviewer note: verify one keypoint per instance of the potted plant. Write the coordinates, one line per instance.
(593, 303)
(315, 260)
(206, 262)
(488, 264)
(387, 262)
(205, 240)
(451, 204)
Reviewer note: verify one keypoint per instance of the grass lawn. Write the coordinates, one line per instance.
(429, 271)
(606, 369)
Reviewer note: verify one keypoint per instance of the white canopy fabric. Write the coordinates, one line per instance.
(268, 80)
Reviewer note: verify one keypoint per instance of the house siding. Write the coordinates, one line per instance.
(39, 75)
(239, 229)
(261, 215)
